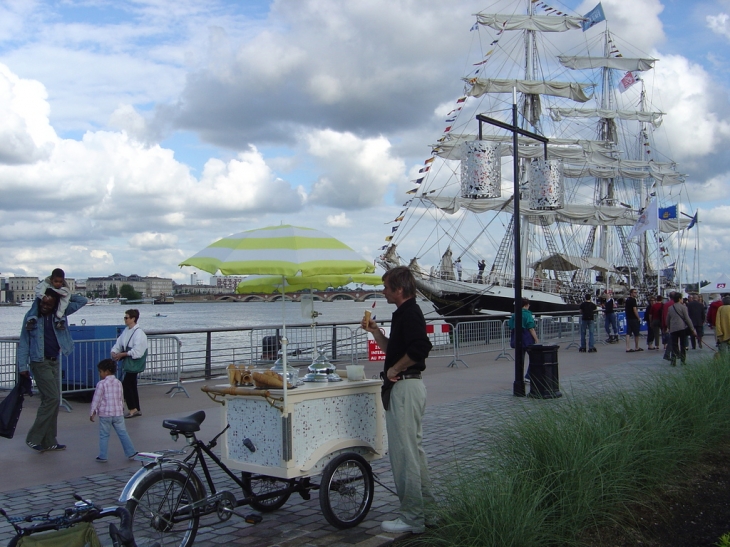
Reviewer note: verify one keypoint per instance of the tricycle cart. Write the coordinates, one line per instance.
(279, 445)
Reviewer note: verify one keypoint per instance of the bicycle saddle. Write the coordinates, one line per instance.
(189, 424)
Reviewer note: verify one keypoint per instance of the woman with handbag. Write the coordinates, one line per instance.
(131, 350)
(529, 336)
(679, 325)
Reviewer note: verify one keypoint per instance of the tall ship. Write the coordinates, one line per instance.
(602, 207)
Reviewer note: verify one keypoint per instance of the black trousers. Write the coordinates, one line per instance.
(129, 387)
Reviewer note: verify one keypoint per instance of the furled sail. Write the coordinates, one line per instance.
(588, 215)
(544, 23)
(450, 146)
(567, 90)
(654, 118)
(619, 63)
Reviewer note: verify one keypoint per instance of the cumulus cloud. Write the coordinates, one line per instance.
(153, 241)
(339, 221)
(358, 171)
(25, 134)
(719, 24)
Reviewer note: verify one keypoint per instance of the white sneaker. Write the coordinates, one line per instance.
(397, 526)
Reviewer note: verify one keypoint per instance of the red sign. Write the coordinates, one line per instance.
(374, 351)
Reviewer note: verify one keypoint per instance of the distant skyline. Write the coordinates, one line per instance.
(133, 134)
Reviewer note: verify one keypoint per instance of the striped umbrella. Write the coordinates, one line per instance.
(285, 251)
(280, 250)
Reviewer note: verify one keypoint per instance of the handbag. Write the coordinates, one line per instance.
(133, 365)
(526, 338)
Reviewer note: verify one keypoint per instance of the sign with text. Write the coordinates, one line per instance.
(374, 351)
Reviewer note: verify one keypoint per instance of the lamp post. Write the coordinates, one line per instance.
(518, 387)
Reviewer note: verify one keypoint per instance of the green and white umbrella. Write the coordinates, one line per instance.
(280, 250)
(269, 284)
(285, 251)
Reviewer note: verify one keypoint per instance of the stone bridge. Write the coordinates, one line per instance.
(319, 296)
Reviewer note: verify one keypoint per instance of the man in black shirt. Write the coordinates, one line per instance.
(588, 323)
(404, 399)
(609, 309)
(633, 322)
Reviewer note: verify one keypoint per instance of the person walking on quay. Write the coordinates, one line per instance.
(722, 326)
(528, 325)
(38, 350)
(679, 325)
(712, 310)
(696, 311)
(404, 400)
(588, 323)
(109, 406)
(655, 314)
(647, 320)
(611, 321)
(131, 349)
(633, 322)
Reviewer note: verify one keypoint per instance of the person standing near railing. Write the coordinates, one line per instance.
(38, 350)
(131, 349)
(588, 324)
(404, 399)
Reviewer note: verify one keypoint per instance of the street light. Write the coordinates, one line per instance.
(518, 387)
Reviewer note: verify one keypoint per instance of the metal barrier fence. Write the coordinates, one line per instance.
(8, 360)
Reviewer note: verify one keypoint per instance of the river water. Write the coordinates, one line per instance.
(205, 315)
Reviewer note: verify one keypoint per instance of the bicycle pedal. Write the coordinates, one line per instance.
(253, 518)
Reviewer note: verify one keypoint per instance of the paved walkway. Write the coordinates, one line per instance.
(462, 402)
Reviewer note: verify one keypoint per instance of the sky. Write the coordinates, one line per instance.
(135, 133)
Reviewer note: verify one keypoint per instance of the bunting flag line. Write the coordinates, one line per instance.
(447, 129)
(424, 169)
(418, 181)
(412, 191)
(394, 229)
(463, 99)
(399, 219)
(429, 160)
(388, 238)
(475, 26)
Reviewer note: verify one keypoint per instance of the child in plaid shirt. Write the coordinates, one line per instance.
(108, 405)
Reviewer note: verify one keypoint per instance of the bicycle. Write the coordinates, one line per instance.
(166, 498)
(74, 526)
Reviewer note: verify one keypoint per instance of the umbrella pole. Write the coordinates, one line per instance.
(284, 341)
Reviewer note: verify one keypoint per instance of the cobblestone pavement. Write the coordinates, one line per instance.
(451, 431)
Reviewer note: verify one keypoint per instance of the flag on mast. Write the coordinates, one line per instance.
(648, 220)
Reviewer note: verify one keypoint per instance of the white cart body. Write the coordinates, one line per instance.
(321, 421)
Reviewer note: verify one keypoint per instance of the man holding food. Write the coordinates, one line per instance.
(404, 399)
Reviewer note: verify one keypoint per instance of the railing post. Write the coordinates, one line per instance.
(208, 373)
(334, 342)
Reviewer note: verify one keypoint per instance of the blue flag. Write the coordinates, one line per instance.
(667, 213)
(593, 17)
(693, 221)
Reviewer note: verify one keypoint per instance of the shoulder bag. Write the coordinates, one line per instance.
(134, 365)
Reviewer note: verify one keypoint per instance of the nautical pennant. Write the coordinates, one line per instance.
(424, 169)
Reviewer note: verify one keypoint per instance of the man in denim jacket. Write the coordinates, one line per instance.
(38, 352)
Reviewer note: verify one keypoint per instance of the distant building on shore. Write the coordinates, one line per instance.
(148, 287)
(22, 289)
(226, 283)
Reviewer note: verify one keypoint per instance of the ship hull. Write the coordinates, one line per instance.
(474, 299)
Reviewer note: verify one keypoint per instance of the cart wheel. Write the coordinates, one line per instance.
(346, 490)
(256, 485)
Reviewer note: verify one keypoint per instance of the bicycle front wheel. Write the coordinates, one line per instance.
(161, 512)
(346, 490)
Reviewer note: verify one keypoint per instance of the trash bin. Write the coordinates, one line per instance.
(544, 380)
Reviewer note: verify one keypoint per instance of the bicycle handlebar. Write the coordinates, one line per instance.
(83, 511)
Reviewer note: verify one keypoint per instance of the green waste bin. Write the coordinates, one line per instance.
(544, 379)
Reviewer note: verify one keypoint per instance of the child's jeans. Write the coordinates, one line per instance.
(105, 425)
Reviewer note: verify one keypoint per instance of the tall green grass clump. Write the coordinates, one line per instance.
(576, 464)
